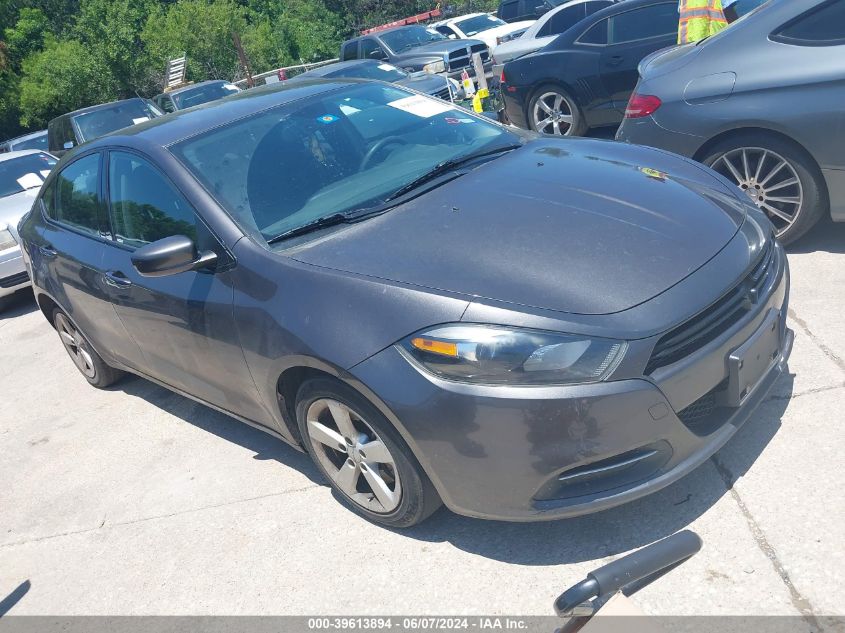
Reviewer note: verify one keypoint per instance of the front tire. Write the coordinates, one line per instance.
(552, 111)
(778, 177)
(362, 456)
(89, 363)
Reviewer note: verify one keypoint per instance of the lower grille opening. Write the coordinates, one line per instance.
(607, 474)
(707, 414)
(14, 280)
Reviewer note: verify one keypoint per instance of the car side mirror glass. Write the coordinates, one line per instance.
(170, 256)
(452, 36)
(68, 145)
(378, 54)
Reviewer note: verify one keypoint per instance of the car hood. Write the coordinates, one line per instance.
(14, 207)
(439, 49)
(424, 82)
(578, 226)
(489, 36)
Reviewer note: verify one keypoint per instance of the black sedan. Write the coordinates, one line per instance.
(433, 306)
(584, 78)
(434, 85)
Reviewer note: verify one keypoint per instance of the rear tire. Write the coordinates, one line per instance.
(778, 176)
(338, 427)
(89, 363)
(552, 111)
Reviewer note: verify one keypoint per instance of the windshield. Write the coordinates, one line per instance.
(477, 24)
(204, 94)
(381, 72)
(119, 115)
(25, 172)
(337, 152)
(33, 142)
(410, 37)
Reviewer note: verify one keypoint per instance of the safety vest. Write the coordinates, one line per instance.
(699, 19)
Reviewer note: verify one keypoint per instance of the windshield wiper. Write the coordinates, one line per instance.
(447, 166)
(315, 225)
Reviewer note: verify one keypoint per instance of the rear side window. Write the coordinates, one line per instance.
(144, 205)
(507, 10)
(597, 34)
(77, 202)
(822, 26)
(350, 51)
(641, 24)
(562, 20)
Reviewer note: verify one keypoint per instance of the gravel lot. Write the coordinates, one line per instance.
(137, 501)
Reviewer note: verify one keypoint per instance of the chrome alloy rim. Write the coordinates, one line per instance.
(354, 456)
(769, 180)
(553, 114)
(76, 346)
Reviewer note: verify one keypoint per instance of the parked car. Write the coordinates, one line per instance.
(194, 94)
(545, 30)
(343, 265)
(21, 175)
(34, 140)
(482, 26)
(519, 10)
(80, 126)
(775, 130)
(584, 78)
(434, 85)
(414, 48)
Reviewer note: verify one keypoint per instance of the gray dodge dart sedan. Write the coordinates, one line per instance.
(435, 307)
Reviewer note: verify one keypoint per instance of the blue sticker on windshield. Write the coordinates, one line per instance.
(327, 118)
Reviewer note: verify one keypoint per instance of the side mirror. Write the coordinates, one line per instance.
(170, 256)
(68, 145)
(378, 54)
(452, 36)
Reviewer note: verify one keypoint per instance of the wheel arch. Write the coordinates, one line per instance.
(47, 306)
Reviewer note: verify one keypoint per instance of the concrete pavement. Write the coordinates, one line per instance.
(137, 501)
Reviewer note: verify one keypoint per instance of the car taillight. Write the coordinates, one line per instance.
(502, 77)
(642, 105)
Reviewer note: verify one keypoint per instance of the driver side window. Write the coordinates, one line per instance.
(368, 47)
(144, 206)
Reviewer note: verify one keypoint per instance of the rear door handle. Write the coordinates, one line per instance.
(615, 60)
(47, 251)
(117, 279)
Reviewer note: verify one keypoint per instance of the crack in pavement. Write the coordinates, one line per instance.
(154, 518)
(808, 392)
(799, 601)
(819, 343)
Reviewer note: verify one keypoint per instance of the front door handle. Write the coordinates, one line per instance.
(47, 251)
(615, 60)
(117, 279)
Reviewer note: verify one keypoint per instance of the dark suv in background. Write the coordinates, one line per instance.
(412, 48)
(516, 10)
(74, 128)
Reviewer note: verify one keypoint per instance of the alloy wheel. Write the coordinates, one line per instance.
(553, 114)
(76, 345)
(768, 179)
(354, 456)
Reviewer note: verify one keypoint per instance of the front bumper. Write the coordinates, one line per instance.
(13, 275)
(536, 453)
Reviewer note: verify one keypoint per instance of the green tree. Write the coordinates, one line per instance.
(200, 28)
(26, 36)
(111, 29)
(63, 77)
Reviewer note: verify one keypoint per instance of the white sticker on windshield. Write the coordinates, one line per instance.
(29, 181)
(421, 106)
(45, 173)
(386, 67)
(140, 120)
(347, 109)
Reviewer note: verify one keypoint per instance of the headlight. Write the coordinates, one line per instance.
(7, 240)
(499, 355)
(434, 68)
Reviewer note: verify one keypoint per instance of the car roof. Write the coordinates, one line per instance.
(19, 153)
(322, 71)
(23, 137)
(197, 85)
(177, 126)
(459, 17)
(99, 106)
